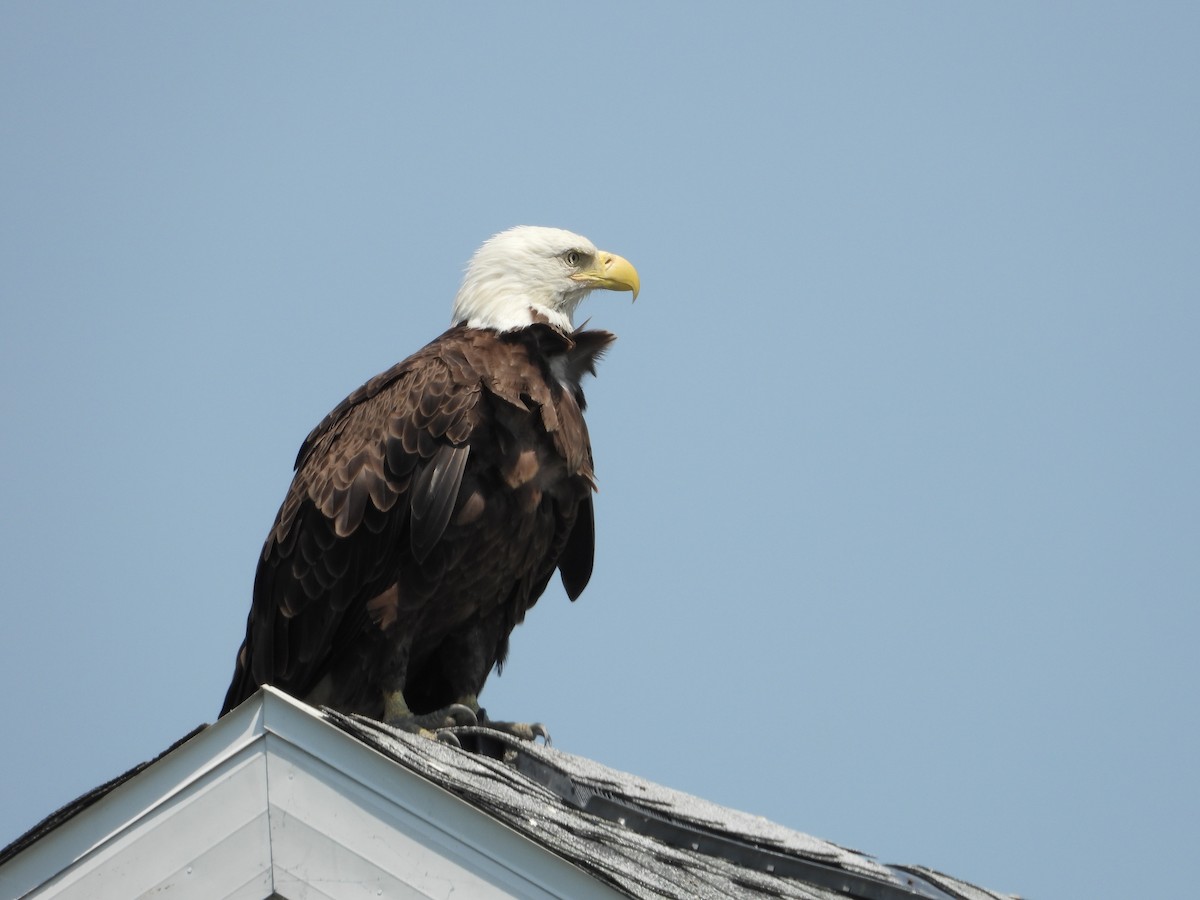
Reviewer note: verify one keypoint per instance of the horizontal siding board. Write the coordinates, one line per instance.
(176, 833)
(237, 865)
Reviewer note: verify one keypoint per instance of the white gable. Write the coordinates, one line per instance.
(273, 801)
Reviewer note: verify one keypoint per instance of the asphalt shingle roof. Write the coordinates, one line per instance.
(647, 840)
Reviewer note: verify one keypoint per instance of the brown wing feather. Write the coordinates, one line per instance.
(434, 493)
(578, 555)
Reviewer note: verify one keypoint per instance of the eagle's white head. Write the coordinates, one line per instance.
(530, 274)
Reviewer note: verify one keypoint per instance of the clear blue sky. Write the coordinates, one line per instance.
(899, 450)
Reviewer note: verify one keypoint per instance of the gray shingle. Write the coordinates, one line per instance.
(645, 839)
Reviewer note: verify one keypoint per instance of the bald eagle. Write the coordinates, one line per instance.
(430, 509)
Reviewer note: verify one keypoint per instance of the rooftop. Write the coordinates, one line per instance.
(502, 811)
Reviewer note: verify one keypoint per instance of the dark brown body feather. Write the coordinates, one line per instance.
(427, 514)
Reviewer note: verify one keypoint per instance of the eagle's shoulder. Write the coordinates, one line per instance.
(436, 371)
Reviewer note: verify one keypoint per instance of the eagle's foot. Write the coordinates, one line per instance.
(526, 731)
(431, 724)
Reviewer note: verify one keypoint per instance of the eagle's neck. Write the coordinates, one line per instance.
(505, 304)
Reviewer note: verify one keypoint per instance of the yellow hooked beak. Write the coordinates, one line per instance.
(611, 273)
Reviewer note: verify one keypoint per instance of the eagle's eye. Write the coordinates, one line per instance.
(571, 258)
